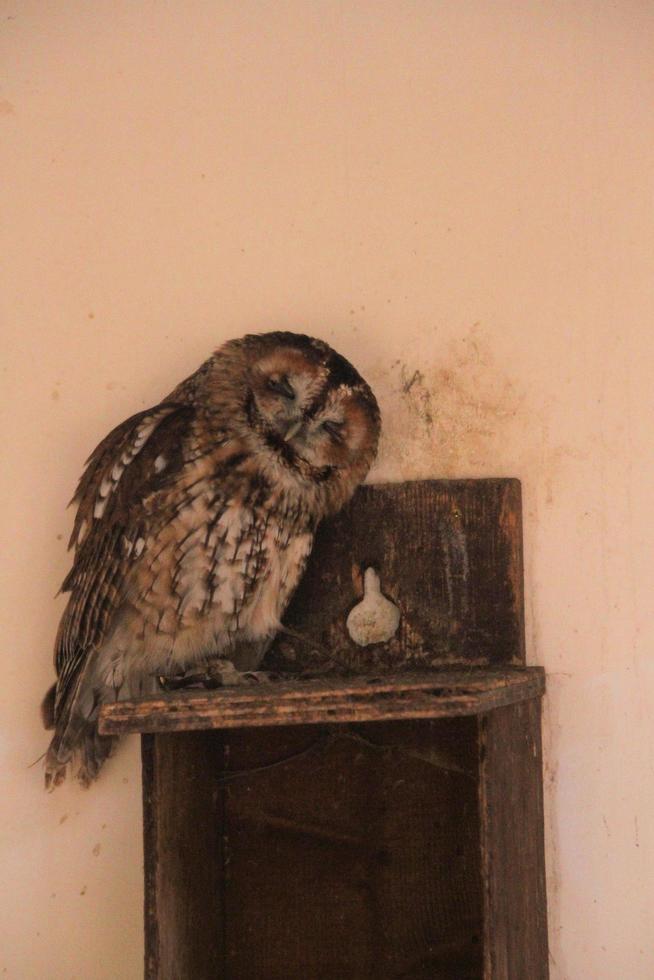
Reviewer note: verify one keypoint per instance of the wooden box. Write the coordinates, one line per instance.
(376, 815)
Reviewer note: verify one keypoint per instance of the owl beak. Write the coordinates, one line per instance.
(293, 430)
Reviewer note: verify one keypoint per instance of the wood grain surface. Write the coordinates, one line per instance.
(430, 694)
(313, 852)
(513, 850)
(449, 555)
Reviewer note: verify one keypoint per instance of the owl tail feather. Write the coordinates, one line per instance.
(91, 749)
(76, 738)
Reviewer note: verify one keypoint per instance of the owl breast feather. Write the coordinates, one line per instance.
(219, 573)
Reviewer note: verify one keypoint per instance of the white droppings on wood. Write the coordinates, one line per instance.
(375, 619)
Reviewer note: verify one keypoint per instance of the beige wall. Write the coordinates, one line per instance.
(461, 188)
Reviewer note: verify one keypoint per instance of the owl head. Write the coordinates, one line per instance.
(306, 412)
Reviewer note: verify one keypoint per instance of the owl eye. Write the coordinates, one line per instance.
(335, 429)
(282, 386)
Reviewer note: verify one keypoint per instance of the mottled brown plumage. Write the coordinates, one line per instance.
(195, 519)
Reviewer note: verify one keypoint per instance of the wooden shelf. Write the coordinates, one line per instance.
(428, 694)
(391, 824)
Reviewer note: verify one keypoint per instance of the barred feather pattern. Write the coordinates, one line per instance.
(194, 523)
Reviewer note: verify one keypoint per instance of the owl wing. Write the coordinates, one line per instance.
(136, 459)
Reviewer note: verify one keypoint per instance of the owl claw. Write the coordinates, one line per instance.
(223, 676)
(183, 681)
(229, 676)
(259, 677)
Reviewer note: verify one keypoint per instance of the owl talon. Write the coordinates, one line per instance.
(226, 675)
(259, 677)
(223, 676)
(169, 683)
(183, 681)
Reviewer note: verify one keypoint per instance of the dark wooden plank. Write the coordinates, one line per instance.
(300, 843)
(150, 857)
(353, 853)
(431, 694)
(183, 856)
(513, 859)
(449, 555)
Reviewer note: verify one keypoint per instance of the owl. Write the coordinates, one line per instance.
(194, 523)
